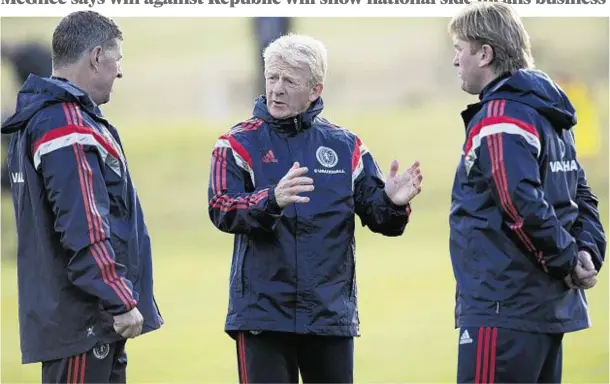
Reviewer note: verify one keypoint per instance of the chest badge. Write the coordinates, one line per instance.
(327, 157)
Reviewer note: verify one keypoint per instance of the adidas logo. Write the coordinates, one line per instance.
(269, 157)
(465, 338)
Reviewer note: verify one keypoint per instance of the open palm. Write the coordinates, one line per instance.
(401, 188)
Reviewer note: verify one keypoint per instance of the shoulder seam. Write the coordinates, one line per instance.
(496, 107)
(338, 127)
(250, 125)
(67, 113)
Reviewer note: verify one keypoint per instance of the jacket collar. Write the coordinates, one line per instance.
(291, 125)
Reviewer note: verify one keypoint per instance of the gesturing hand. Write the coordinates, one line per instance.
(293, 183)
(584, 275)
(402, 188)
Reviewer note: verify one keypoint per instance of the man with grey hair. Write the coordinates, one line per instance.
(526, 237)
(289, 184)
(84, 255)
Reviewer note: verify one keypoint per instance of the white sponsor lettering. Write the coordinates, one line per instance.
(563, 166)
(329, 171)
(17, 177)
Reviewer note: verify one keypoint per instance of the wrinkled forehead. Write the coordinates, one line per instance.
(278, 66)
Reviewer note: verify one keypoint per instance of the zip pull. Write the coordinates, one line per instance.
(296, 123)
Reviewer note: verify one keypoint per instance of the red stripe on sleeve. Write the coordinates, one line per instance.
(96, 234)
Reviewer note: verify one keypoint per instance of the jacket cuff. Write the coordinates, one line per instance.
(571, 268)
(406, 209)
(597, 261)
(272, 206)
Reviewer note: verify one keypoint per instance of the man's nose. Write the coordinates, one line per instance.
(278, 87)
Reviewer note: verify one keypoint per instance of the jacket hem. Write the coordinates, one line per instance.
(261, 326)
(39, 356)
(520, 324)
(81, 346)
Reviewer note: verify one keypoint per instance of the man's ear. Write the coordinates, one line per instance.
(487, 55)
(316, 91)
(95, 57)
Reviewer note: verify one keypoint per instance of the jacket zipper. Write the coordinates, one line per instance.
(296, 124)
(296, 221)
(296, 225)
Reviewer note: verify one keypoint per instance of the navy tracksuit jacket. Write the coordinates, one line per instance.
(521, 210)
(84, 252)
(293, 270)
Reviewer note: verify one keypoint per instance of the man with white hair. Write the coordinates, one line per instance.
(289, 184)
(526, 236)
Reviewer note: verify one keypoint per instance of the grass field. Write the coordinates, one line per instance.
(410, 111)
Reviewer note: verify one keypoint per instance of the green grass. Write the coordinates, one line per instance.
(406, 285)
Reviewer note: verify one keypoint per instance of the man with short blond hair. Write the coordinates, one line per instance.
(289, 185)
(526, 237)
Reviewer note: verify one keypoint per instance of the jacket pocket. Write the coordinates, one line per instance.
(352, 271)
(472, 262)
(125, 254)
(240, 255)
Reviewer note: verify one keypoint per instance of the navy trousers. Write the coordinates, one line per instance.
(273, 357)
(106, 363)
(499, 355)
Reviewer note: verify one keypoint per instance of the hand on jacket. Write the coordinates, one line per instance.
(584, 275)
(402, 188)
(129, 324)
(293, 183)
